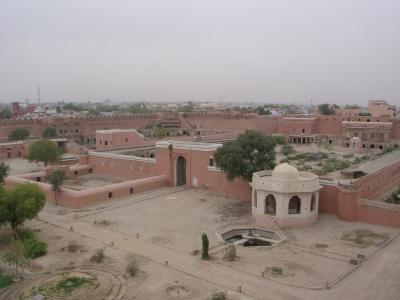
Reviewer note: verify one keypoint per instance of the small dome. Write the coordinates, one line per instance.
(285, 171)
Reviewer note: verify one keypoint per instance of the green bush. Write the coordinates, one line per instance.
(219, 296)
(98, 256)
(132, 266)
(287, 149)
(230, 253)
(34, 248)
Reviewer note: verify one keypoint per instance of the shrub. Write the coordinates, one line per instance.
(287, 149)
(34, 248)
(205, 245)
(132, 267)
(230, 253)
(277, 270)
(73, 246)
(98, 256)
(219, 296)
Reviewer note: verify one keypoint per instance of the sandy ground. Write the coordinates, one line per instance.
(21, 166)
(178, 216)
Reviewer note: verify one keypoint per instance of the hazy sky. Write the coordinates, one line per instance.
(341, 51)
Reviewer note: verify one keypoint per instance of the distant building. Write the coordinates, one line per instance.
(378, 108)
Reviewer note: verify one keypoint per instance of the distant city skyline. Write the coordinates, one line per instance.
(343, 52)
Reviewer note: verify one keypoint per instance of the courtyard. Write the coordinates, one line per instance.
(163, 227)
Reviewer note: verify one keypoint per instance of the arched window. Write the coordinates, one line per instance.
(270, 205)
(312, 204)
(294, 205)
(255, 199)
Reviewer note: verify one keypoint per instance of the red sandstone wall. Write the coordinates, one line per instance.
(120, 167)
(376, 183)
(238, 188)
(378, 215)
(330, 125)
(78, 199)
(328, 199)
(297, 126)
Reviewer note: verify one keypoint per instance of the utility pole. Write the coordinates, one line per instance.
(38, 92)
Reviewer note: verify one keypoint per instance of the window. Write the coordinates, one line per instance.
(76, 172)
(126, 140)
(303, 130)
(131, 190)
(211, 161)
(255, 199)
(270, 205)
(110, 195)
(106, 143)
(294, 205)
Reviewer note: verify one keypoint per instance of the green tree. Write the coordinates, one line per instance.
(4, 169)
(15, 255)
(326, 109)
(56, 179)
(5, 113)
(44, 151)
(252, 151)
(263, 111)
(287, 149)
(18, 134)
(188, 107)
(21, 203)
(160, 133)
(205, 245)
(49, 132)
(138, 108)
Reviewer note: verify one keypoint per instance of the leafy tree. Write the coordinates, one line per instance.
(49, 132)
(56, 179)
(263, 111)
(138, 108)
(160, 133)
(44, 151)
(188, 107)
(205, 245)
(21, 203)
(72, 106)
(251, 152)
(326, 109)
(15, 255)
(287, 149)
(18, 134)
(352, 106)
(4, 169)
(5, 113)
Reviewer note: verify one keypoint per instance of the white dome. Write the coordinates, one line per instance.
(285, 171)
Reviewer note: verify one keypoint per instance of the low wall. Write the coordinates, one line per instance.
(375, 183)
(125, 166)
(78, 199)
(238, 188)
(349, 205)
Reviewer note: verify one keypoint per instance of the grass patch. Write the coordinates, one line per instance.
(65, 286)
(5, 280)
(365, 237)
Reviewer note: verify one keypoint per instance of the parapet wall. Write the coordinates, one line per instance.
(349, 202)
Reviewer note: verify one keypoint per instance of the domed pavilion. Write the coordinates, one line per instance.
(285, 197)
